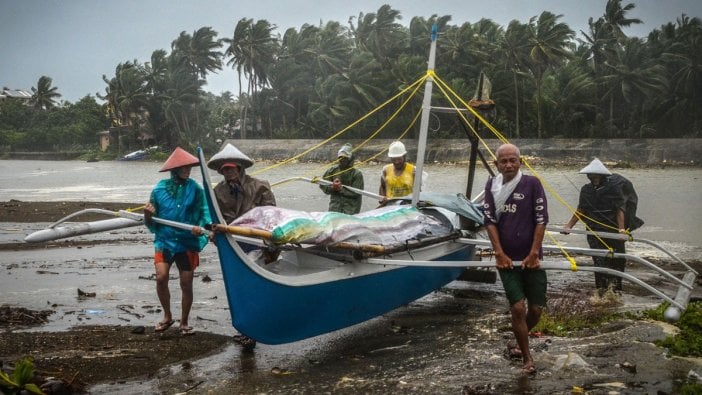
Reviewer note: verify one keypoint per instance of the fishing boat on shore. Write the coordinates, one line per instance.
(313, 287)
(138, 154)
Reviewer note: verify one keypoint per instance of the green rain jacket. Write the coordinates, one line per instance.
(344, 201)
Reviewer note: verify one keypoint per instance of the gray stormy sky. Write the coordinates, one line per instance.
(75, 42)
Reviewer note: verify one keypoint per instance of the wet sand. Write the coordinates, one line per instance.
(448, 342)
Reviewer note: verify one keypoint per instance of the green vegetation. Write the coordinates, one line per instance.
(70, 127)
(20, 381)
(570, 312)
(688, 342)
(690, 389)
(312, 81)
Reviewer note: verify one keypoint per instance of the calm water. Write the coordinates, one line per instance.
(668, 198)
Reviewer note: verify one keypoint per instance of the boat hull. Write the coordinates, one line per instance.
(274, 308)
(273, 312)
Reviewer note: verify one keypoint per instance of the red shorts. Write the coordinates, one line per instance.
(185, 261)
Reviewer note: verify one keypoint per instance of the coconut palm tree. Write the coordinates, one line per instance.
(632, 77)
(512, 48)
(679, 46)
(44, 95)
(548, 43)
(201, 50)
(380, 34)
(615, 18)
(252, 50)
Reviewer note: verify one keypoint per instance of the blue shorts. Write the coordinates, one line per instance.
(520, 284)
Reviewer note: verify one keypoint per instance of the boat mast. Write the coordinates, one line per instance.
(424, 122)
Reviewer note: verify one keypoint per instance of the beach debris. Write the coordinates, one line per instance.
(83, 294)
(627, 366)
(128, 309)
(280, 371)
(13, 316)
(614, 384)
(485, 389)
(139, 330)
(570, 361)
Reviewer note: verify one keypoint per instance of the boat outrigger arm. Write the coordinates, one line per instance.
(677, 304)
(61, 229)
(318, 180)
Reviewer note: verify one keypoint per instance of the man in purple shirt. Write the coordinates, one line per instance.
(516, 215)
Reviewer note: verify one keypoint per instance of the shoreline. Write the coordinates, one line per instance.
(683, 152)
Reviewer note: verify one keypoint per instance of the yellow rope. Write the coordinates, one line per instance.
(444, 88)
(342, 131)
(417, 85)
(573, 264)
(453, 99)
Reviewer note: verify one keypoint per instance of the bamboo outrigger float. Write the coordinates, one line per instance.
(314, 289)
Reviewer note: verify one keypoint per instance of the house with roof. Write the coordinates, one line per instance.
(18, 94)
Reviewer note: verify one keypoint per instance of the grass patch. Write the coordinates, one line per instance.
(688, 342)
(571, 311)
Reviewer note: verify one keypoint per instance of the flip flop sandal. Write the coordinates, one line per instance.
(187, 331)
(162, 326)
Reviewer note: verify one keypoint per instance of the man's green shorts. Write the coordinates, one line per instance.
(527, 283)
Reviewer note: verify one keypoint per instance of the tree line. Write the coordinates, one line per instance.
(313, 81)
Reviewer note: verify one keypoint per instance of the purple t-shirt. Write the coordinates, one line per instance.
(523, 210)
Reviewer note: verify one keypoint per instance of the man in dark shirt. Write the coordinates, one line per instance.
(238, 193)
(516, 215)
(602, 206)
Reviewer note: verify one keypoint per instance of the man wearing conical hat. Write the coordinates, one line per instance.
(601, 207)
(181, 199)
(238, 192)
(342, 200)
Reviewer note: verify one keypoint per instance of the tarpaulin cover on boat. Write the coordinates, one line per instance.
(392, 225)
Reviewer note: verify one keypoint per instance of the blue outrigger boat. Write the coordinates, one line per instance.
(310, 291)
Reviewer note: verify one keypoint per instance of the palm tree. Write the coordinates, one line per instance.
(513, 50)
(548, 44)
(252, 50)
(201, 50)
(44, 95)
(632, 77)
(681, 47)
(126, 93)
(380, 34)
(615, 18)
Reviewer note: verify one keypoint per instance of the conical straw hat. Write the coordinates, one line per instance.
(229, 154)
(596, 167)
(179, 158)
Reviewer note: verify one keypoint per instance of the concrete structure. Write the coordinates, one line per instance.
(104, 140)
(566, 151)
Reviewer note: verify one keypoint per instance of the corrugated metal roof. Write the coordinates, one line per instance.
(16, 93)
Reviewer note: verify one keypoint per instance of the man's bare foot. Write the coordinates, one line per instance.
(529, 367)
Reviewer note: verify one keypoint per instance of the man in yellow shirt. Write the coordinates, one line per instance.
(397, 178)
